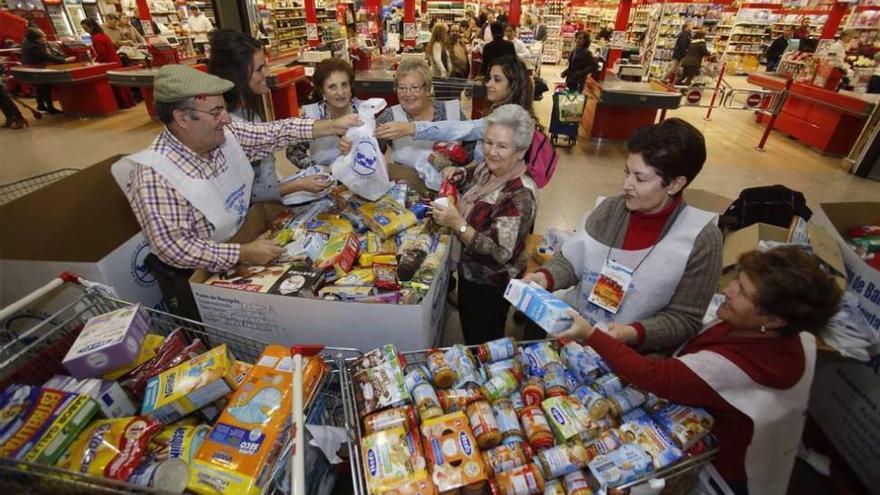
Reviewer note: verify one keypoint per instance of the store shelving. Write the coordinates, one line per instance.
(673, 17)
(864, 22)
(447, 11)
(746, 40)
(553, 45)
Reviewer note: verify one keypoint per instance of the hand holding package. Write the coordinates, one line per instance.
(363, 169)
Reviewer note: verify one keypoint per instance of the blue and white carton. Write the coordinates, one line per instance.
(542, 307)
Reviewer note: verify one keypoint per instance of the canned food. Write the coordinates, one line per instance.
(555, 383)
(441, 374)
(605, 442)
(562, 459)
(453, 399)
(576, 483)
(597, 406)
(533, 391)
(483, 424)
(498, 366)
(554, 487)
(538, 356)
(517, 400)
(609, 384)
(580, 362)
(537, 430)
(524, 480)
(501, 385)
(506, 457)
(391, 418)
(427, 403)
(507, 419)
(626, 400)
(496, 350)
(414, 377)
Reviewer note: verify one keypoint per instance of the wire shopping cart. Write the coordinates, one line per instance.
(678, 478)
(19, 188)
(36, 355)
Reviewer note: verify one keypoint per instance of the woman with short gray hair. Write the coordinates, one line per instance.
(491, 221)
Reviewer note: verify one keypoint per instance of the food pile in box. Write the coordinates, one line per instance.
(544, 418)
(157, 411)
(865, 241)
(343, 247)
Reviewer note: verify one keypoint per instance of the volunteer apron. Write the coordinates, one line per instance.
(224, 200)
(406, 150)
(322, 150)
(778, 414)
(654, 282)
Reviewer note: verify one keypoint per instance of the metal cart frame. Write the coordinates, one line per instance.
(19, 188)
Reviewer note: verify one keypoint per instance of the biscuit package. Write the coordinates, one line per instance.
(391, 459)
(111, 448)
(107, 342)
(453, 456)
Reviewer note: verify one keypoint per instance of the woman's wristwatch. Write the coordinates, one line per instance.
(462, 229)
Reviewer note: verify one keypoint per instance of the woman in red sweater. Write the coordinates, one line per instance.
(105, 52)
(751, 370)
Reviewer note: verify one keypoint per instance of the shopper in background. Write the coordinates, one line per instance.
(187, 224)
(438, 57)
(35, 51)
(493, 217)
(456, 47)
(777, 48)
(486, 32)
(472, 32)
(693, 59)
(497, 48)
(333, 82)
(14, 118)
(802, 32)
(751, 370)
(522, 51)
(682, 43)
(581, 63)
(540, 30)
(666, 253)
(606, 32)
(111, 28)
(105, 53)
(199, 26)
(239, 58)
(128, 34)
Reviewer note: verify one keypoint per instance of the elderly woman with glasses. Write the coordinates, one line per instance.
(751, 369)
(415, 92)
(491, 221)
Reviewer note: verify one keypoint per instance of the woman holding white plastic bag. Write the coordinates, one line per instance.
(491, 221)
(362, 169)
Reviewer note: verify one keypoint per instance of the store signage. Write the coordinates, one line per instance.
(753, 100)
(618, 39)
(409, 31)
(694, 96)
(312, 31)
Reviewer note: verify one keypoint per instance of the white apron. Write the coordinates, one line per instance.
(656, 279)
(322, 150)
(224, 200)
(406, 150)
(778, 415)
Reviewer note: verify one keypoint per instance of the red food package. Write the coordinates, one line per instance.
(385, 277)
(172, 352)
(454, 151)
(448, 189)
(862, 231)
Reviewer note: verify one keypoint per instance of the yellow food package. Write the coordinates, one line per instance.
(377, 245)
(241, 370)
(110, 448)
(358, 277)
(389, 461)
(330, 224)
(248, 437)
(148, 350)
(386, 217)
(190, 385)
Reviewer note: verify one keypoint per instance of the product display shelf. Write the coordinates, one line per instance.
(447, 11)
(553, 45)
(864, 23)
(747, 40)
(285, 22)
(638, 23)
(674, 16)
(165, 13)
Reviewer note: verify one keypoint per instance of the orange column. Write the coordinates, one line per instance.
(515, 12)
(409, 23)
(834, 18)
(620, 24)
(312, 24)
(143, 11)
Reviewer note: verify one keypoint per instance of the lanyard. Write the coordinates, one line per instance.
(662, 235)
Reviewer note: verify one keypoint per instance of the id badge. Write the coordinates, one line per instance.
(611, 286)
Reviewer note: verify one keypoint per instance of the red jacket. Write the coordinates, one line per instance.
(105, 50)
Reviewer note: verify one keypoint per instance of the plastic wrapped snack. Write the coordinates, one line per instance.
(110, 448)
(339, 252)
(358, 277)
(386, 217)
(686, 425)
(171, 353)
(304, 248)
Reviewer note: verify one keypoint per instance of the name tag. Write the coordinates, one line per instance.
(611, 286)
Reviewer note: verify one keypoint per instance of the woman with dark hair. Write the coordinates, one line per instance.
(693, 58)
(496, 48)
(333, 82)
(105, 52)
(662, 255)
(581, 63)
(751, 369)
(35, 51)
(239, 58)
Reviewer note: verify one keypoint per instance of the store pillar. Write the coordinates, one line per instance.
(620, 24)
(515, 12)
(835, 17)
(144, 11)
(409, 23)
(312, 24)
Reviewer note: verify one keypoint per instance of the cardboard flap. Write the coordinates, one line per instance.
(845, 216)
(705, 200)
(826, 248)
(745, 240)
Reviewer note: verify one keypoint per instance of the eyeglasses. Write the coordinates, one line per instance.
(215, 113)
(411, 89)
(738, 290)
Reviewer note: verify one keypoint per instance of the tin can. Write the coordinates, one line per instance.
(554, 487)
(508, 422)
(513, 439)
(452, 399)
(524, 480)
(605, 442)
(533, 391)
(576, 483)
(441, 374)
(506, 457)
(391, 418)
(498, 366)
(555, 383)
(603, 366)
(597, 406)
(571, 381)
(415, 376)
(562, 459)
(501, 385)
(609, 384)
(464, 366)
(538, 356)
(427, 402)
(537, 429)
(483, 424)
(496, 350)
(580, 362)
(625, 401)
(517, 400)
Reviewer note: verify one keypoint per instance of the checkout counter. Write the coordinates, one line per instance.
(142, 78)
(827, 121)
(615, 107)
(285, 76)
(83, 87)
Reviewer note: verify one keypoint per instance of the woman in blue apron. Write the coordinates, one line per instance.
(333, 82)
(645, 264)
(239, 58)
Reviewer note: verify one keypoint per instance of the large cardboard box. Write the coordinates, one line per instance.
(289, 320)
(846, 393)
(83, 224)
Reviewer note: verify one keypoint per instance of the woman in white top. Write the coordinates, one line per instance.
(436, 51)
(522, 51)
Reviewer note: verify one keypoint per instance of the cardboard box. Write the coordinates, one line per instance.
(289, 320)
(83, 224)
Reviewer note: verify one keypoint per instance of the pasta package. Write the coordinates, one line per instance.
(386, 217)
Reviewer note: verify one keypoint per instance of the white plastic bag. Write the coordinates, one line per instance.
(363, 169)
(426, 171)
(300, 197)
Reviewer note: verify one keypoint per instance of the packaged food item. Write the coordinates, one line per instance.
(576, 483)
(110, 448)
(519, 404)
(385, 276)
(380, 355)
(62, 428)
(420, 484)
(608, 384)
(562, 459)
(449, 191)
(483, 424)
(493, 369)
(537, 430)
(567, 417)
(388, 461)
(506, 457)
(171, 353)
(149, 348)
(340, 252)
(626, 464)
(501, 385)
(427, 403)
(540, 306)
(409, 263)
(111, 399)
(579, 362)
(555, 381)
(304, 215)
(626, 400)
(653, 439)
(330, 224)
(357, 277)
(596, 404)
(107, 342)
(686, 425)
(351, 294)
(464, 364)
(524, 480)
(599, 426)
(453, 457)
(505, 414)
(432, 264)
(554, 487)
(441, 373)
(497, 350)
(637, 414)
(189, 386)
(392, 418)
(299, 283)
(167, 465)
(386, 217)
(605, 442)
(416, 375)
(283, 237)
(653, 403)
(538, 356)
(533, 391)
(454, 399)
(250, 278)
(304, 249)
(380, 387)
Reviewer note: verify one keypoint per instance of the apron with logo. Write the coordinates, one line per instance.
(658, 269)
(778, 415)
(322, 150)
(406, 150)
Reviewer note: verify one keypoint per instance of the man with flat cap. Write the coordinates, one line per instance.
(191, 188)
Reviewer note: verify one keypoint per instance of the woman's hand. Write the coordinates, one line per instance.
(624, 333)
(453, 174)
(580, 328)
(335, 127)
(447, 216)
(395, 130)
(537, 277)
(344, 145)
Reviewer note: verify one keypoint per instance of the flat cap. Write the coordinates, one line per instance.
(177, 82)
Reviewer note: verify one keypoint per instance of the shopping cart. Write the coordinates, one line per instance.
(678, 478)
(565, 124)
(19, 188)
(36, 355)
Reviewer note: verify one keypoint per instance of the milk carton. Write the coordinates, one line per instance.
(549, 312)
